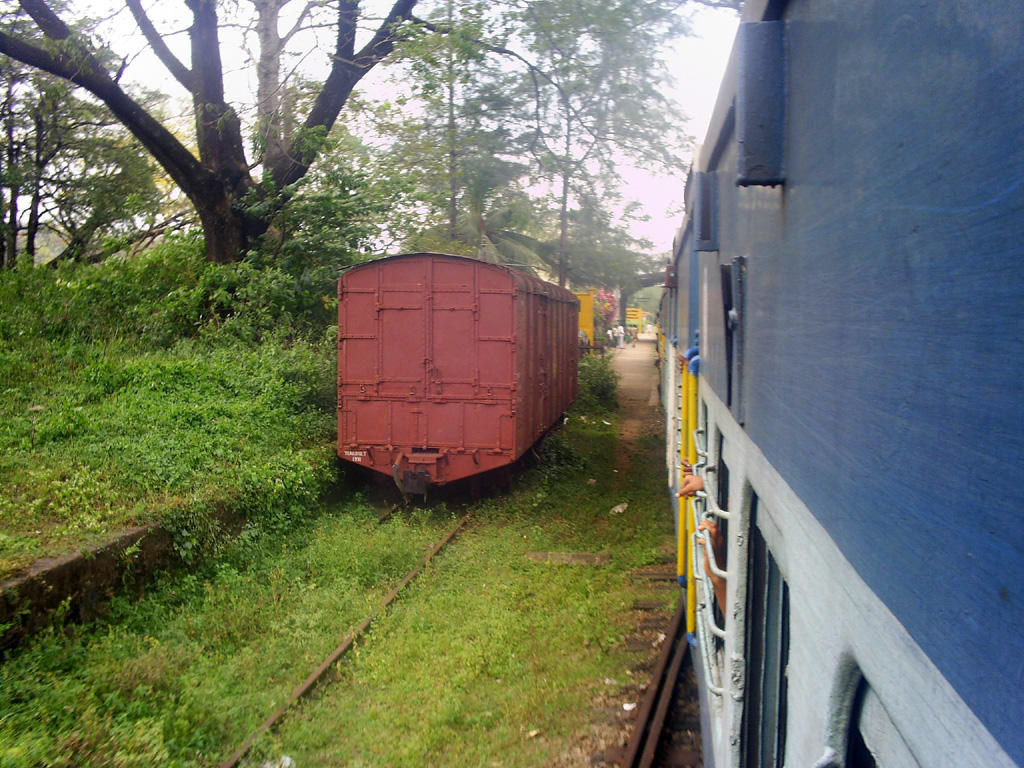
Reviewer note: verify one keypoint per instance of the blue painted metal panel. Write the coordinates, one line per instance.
(885, 333)
(693, 288)
(760, 103)
(713, 369)
(686, 309)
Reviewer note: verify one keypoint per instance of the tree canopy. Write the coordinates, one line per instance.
(507, 99)
(219, 175)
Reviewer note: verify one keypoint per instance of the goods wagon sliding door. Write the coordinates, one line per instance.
(382, 349)
(471, 364)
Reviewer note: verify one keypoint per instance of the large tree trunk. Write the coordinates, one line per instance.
(11, 230)
(268, 80)
(228, 234)
(451, 136)
(32, 229)
(453, 162)
(3, 244)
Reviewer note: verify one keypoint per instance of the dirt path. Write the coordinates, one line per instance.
(639, 411)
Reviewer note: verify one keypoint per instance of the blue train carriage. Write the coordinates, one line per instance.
(852, 263)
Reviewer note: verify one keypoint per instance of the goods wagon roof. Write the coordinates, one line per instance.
(525, 282)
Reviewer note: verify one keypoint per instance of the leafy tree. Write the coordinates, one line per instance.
(11, 171)
(71, 169)
(333, 213)
(492, 218)
(593, 69)
(578, 96)
(448, 136)
(596, 98)
(221, 176)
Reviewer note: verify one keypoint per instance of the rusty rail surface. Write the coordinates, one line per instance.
(650, 718)
(310, 682)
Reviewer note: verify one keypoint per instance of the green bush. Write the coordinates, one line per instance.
(162, 388)
(558, 456)
(162, 296)
(598, 384)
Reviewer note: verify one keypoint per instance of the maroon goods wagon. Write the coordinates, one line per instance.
(449, 366)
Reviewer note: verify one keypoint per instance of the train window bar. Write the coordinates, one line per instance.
(704, 507)
(699, 553)
(709, 494)
(706, 625)
(700, 442)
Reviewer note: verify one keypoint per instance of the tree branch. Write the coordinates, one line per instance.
(731, 5)
(81, 68)
(348, 68)
(180, 72)
(297, 26)
(535, 73)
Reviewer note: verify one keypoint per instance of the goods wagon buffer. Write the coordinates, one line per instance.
(449, 366)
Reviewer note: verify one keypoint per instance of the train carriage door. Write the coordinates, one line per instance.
(402, 339)
(453, 350)
(537, 351)
(496, 357)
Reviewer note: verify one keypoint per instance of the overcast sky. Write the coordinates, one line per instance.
(699, 66)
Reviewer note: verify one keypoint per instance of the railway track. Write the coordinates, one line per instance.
(317, 675)
(642, 751)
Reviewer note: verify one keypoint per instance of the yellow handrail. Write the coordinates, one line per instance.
(691, 456)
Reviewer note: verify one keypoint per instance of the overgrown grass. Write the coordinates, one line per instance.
(494, 659)
(173, 390)
(490, 659)
(176, 678)
(160, 390)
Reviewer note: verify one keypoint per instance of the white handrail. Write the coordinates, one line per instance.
(712, 493)
(705, 615)
(698, 434)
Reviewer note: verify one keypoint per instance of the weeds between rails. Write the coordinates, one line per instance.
(344, 647)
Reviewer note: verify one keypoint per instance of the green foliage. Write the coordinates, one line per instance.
(329, 219)
(162, 296)
(559, 456)
(526, 97)
(165, 388)
(599, 382)
(87, 183)
(177, 678)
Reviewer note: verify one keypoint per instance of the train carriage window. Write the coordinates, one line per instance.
(722, 472)
(733, 277)
(722, 500)
(873, 739)
(767, 652)
(858, 755)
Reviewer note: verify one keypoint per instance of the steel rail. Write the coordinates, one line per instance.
(310, 682)
(664, 702)
(650, 718)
